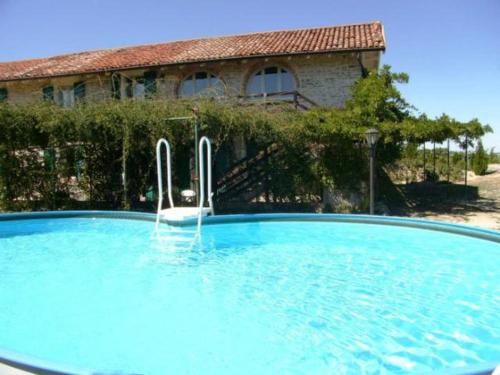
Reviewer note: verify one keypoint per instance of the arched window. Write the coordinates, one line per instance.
(201, 83)
(271, 80)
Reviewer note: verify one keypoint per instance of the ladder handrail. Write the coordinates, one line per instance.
(204, 141)
(208, 160)
(160, 179)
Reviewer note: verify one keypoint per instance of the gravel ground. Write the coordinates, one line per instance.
(483, 212)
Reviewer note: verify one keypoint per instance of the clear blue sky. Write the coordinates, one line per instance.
(450, 48)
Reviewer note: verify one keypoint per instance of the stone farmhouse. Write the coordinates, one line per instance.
(315, 66)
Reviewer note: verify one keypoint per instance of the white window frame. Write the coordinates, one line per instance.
(66, 97)
(262, 72)
(192, 77)
(135, 86)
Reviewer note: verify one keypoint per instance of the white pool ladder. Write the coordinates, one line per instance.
(180, 214)
(208, 160)
(161, 142)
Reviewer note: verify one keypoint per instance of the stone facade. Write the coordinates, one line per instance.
(326, 79)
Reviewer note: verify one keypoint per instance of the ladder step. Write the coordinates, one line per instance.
(175, 238)
(183, 214)
(180, 231)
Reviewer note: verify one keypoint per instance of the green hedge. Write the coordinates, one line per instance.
(43, 145)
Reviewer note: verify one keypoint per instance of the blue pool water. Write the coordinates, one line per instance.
(256, 298)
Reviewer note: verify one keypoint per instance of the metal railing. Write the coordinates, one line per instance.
(249, 173)
(161, 142)
(204, 141)
(298, 100)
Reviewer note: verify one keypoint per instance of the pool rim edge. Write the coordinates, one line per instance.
(417, 223)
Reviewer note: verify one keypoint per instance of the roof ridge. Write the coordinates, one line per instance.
(110, 49)
(275, 31)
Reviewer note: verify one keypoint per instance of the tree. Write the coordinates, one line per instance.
(479, 160)
(376, 98)
(466, 133)
(494, 157)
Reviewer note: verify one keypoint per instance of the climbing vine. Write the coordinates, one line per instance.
(103, 152)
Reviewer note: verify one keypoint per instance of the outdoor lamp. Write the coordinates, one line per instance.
(372, 136)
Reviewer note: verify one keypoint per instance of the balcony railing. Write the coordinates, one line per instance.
(295, 98)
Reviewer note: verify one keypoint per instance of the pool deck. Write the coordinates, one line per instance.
(7, 370)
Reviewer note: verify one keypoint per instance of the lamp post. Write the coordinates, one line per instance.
(372, 137)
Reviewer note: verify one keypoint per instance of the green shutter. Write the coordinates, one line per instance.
(48, 93)
(150, 194)
(79, 157)
(49, 156)
(4, 94)
(115, 86)
(150, 84)
(79, 91)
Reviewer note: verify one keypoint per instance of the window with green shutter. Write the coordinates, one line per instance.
(116, 87)
(150, 84)
(49, 156)
(79, 157)
(79, 91)
(4, 94)
(48, 93)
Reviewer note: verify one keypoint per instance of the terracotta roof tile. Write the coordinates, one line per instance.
(318, 40)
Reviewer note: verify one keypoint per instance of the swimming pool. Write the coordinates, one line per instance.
(100, 292)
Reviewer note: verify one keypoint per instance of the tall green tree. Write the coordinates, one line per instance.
(479, 160)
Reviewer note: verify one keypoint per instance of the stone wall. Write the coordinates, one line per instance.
(325, 79)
